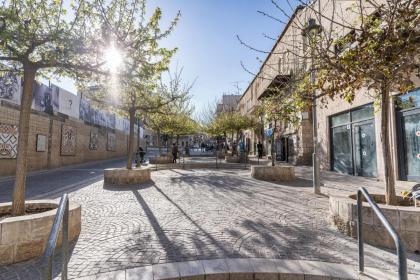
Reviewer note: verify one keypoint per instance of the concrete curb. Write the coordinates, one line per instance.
(253, 269)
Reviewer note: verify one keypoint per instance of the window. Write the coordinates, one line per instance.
(353, 142)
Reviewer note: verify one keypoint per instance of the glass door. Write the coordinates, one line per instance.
(342, 150)
(364, 149)
(411, 144)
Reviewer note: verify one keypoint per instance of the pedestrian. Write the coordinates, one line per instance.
(139, 156)
(187, 150)
(259, 149)
(234, 148)
(174, 152)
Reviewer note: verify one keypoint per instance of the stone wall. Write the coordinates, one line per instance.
(51, 126)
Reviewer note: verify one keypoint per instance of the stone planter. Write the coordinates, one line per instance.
(405, 219)
(124, 176)
(25, 237)
(160, 160)
(273, 173)
(232, 159)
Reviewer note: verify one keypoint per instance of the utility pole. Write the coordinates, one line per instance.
(313, 29)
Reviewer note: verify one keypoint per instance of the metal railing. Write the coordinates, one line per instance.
(61, 218)
(402, 259)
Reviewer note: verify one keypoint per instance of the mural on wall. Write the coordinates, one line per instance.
(45, 99)
(41, 143)
(68, 140)
(94, 139)
(112, 142)
(84, 110)
(89, 114)
(10, 87)
(8, 141)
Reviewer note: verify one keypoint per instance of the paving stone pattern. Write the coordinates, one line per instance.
(204, 214)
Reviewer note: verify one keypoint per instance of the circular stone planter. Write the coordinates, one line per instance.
(273, 173)
(232, 159)
(160, 160)
(124, 176)
(25, 237)
(405, 219)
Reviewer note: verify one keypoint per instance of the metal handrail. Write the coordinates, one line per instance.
(402, 259)
(61, 218)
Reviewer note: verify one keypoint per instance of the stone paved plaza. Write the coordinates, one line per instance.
(205, 214)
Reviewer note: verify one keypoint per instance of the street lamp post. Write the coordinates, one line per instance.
(2, 24)
(313, 29)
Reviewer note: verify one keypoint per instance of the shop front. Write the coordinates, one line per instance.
(408, 131)
(353, 143)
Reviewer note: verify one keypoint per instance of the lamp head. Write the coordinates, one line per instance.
(312, 27)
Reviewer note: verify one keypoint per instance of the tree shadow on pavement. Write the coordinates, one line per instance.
(141, 186)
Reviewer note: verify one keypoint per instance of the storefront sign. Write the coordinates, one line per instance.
(418, 133)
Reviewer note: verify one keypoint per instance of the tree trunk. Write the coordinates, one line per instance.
(158, 142)
(390, 195)
(18, 204)
(273, 160)
(131, 140)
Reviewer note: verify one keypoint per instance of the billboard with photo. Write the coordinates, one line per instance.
(45, 99)
(68, 102)
(10, 87)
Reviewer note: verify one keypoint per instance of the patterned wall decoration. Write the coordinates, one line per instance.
(8, 141)
(68, 140)
(112, 142)
(41, 143)
(94, 135)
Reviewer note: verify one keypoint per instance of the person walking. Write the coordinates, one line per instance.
(259, 149)
(174, 152)
(234, 148)
(140, 156)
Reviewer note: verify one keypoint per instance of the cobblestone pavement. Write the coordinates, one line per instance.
(204, 214)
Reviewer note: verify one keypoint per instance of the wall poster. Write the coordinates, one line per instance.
(8, 141)
(68, 140)
(112, 142)
(94, 136)
(45, 99)
(10, 88)
(41, 143)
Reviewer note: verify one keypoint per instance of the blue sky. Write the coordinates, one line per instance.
(208, 49)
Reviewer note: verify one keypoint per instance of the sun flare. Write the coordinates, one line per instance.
(113, 58)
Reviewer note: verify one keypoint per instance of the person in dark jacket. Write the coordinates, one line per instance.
(259, 149)
(174, 152)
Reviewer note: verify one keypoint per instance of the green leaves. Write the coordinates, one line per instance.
(381, 54)
(231, 122)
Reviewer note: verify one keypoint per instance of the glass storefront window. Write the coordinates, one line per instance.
(340, 119)
(353, 142)
(363, 113)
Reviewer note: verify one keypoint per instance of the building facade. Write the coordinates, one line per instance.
(228, 103)
(349, 138)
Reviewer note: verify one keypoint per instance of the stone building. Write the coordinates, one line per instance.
(292, 143)
(349, 137)
(227, 103)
